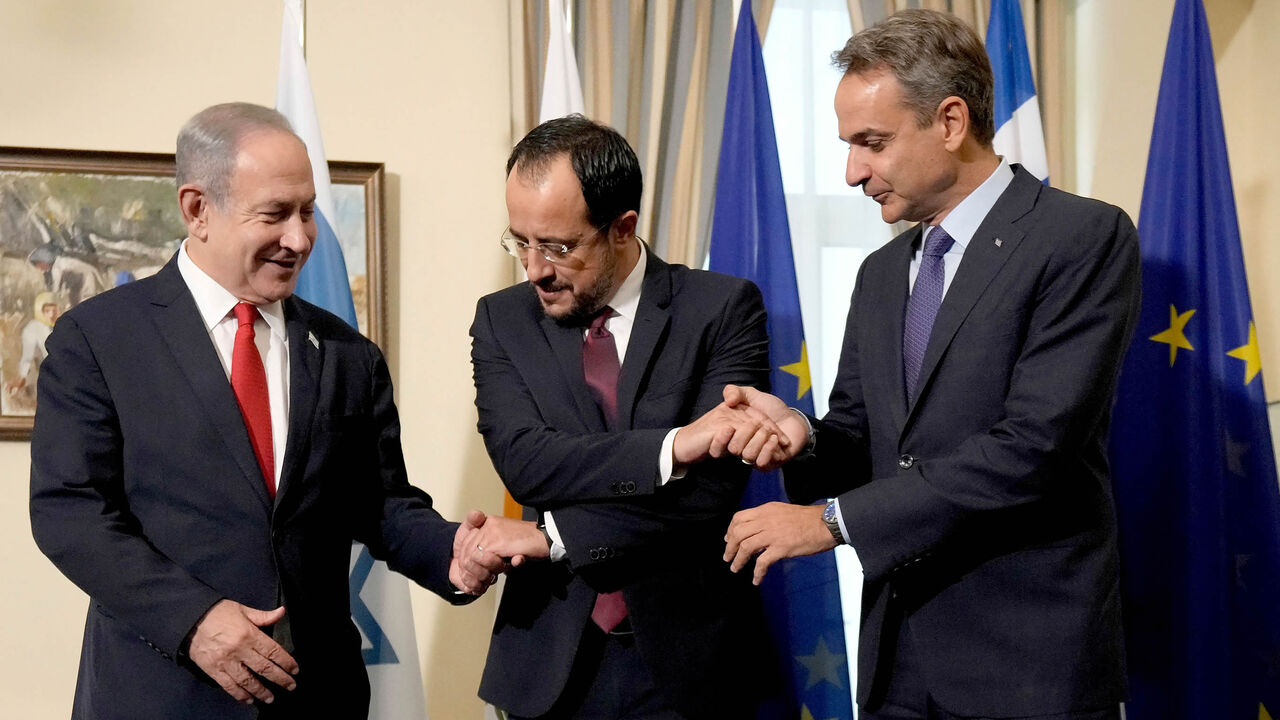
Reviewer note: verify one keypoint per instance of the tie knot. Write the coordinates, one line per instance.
(939, 242)
(597, 323)
(246, 314)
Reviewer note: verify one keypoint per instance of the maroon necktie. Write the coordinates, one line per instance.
(249, 381)
(600, 366)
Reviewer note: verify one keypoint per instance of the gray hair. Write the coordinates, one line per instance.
(209, 141)
(933, 55)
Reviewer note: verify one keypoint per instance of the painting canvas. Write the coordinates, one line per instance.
(77, 223)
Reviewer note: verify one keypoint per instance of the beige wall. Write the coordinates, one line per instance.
(421, 86)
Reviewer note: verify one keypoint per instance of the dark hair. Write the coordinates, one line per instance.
(605, 164)
(933, 55)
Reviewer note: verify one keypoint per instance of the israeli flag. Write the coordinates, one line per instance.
(380, 605)
(1019, 134)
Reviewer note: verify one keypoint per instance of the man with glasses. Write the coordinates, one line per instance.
(587, 377)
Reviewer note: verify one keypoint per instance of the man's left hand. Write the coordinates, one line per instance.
(772, 532)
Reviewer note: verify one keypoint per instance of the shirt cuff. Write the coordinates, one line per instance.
(558, 550)
(844, 531)
(666, 463)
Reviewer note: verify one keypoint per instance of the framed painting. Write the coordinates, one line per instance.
(74, 223)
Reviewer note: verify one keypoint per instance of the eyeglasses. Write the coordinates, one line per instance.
(551, 252)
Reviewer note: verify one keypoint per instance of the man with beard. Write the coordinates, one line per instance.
(587, 377)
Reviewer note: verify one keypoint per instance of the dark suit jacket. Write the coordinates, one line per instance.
(696, 624)
(982, 512)
(146, 494)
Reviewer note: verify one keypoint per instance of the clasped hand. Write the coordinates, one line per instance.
(486, 545)
(752, 425)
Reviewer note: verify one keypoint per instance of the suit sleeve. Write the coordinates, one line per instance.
(1080, 322)
(397, 522)
(575, 474)
(844, 461)
(80, 510)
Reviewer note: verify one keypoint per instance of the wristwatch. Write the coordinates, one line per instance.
(542, 526)
(833, 521)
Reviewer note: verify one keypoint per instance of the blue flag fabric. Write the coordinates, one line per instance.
(750, 238)
(1194, 471)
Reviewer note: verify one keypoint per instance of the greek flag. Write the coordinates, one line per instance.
(1019, 134)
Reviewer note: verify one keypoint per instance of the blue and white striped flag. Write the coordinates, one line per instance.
(1019, 134)
(380, 603)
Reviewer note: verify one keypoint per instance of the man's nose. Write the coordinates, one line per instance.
(299, 234)
(856, 171)
(536, 266)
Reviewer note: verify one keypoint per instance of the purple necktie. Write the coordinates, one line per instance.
(922, 306)
(600, 366)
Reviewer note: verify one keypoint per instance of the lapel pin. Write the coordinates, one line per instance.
(999, 242)
(312, 337)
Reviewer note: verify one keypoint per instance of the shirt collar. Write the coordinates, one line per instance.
(214, 301)
(962, 222)
(626, 301)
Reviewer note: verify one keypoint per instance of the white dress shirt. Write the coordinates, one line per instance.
(215, 304)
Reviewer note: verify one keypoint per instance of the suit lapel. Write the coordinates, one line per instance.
(175, 314)
(983, 258)
(305, 359)
(566, 345)
(652, 317)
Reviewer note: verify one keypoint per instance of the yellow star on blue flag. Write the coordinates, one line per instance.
(1175, 336)
(1250, 355)
(801, 370)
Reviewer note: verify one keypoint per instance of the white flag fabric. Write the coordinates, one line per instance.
(1019, 134)
(380, 604)
(561, 88)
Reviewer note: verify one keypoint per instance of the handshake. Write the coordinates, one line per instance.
(754, 426)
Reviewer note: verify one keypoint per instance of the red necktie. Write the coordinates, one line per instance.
(600, 366)
(249, 381)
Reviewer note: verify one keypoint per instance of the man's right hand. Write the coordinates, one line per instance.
(727, 430)
(228, 646)
(761, 450)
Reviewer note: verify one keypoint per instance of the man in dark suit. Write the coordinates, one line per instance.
(211, 522)
(965, 446)
(587, 378)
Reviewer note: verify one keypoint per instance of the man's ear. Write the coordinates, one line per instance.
(953, 114)
(194, 204)
(625, 226)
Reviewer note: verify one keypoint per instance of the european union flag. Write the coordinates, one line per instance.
(1194, 472)
(750, 238)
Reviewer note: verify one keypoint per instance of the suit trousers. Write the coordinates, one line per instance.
(904, 695)
(609, 681)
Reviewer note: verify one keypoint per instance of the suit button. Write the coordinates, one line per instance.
(631, 487)
(613, 488)
(906, 461)
(594, 554)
